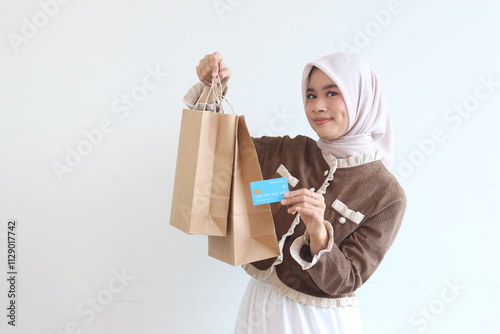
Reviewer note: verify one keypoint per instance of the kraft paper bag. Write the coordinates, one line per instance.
(250, 232)
(203, 173)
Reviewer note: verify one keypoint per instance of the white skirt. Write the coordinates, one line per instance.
(263, 310)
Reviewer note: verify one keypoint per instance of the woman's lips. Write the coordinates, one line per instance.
(321, 120)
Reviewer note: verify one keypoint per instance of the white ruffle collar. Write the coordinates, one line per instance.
(354, 160)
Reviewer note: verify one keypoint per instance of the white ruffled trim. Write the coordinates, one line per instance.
(304, 240)
(308, 299)
(260, 275)
(352, 161)
(263, 274)
(332, 162)
(360, 159)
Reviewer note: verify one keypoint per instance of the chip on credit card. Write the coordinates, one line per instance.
(268, 191)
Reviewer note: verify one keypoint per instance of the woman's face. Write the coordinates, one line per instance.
(325, 107)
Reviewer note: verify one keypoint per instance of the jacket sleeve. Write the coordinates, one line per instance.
(343, 268)
(193, 95)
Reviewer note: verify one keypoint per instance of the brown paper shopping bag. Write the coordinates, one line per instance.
(250, 232)
(203, 173)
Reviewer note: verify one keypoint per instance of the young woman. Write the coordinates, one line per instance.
(344, 208)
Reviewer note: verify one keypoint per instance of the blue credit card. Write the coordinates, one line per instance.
(268, 191)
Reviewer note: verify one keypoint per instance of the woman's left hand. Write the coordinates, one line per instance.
(311, 207)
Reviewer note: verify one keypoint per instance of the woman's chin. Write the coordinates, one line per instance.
(326, 137)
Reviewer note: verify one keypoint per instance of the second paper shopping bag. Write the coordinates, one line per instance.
(250, 232)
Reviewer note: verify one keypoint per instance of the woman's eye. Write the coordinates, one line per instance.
(310, 96)
(332, 93)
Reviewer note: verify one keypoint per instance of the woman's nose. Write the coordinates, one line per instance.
(319, 105)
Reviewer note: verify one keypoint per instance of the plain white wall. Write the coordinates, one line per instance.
(95, 251)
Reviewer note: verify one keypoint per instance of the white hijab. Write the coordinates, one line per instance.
(369, 119)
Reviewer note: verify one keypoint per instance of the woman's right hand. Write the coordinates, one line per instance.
(211, 66)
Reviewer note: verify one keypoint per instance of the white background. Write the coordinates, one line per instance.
(109, 215)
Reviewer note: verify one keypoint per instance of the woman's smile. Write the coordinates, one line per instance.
(322, 120)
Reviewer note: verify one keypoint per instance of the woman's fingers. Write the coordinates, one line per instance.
(313, 213)
(311, 207)
(204, 71)
(305, 201)
(216, 63)
(303, 196)
(224, 75)
(211, 66)
(301, 207)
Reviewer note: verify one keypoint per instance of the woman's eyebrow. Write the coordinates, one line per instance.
(310, 90)
(330, 86)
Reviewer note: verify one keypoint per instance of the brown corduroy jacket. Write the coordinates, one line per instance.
(365, 206)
